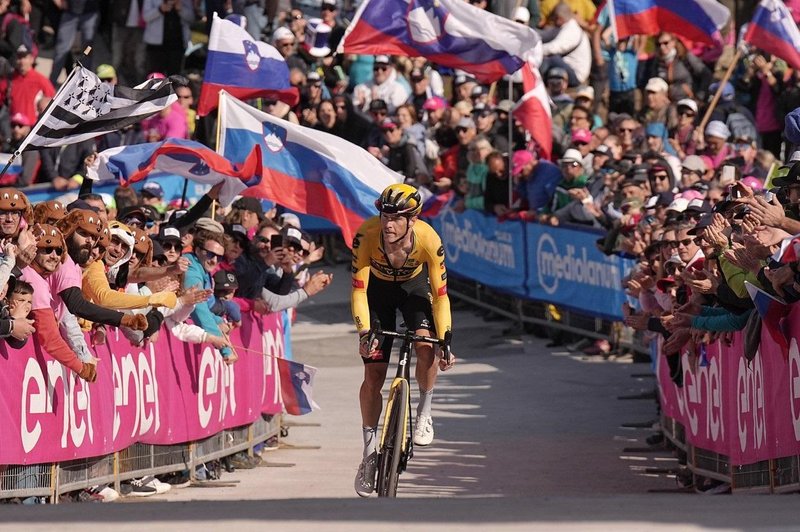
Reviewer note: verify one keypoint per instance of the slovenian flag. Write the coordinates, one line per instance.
(185, 158)
(305, 170)
(696, 20)
(774, 31)
(533, 111)
(773, 312)
(297, 386)
(451, 33)
(243, 66)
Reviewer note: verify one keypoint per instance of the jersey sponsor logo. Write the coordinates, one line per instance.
(444, 276)
(440, 251)
(357, 240)
(442, 291)
(358, 283)
(441, 265)
(353, 269)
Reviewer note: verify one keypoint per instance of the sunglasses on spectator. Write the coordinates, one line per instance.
(378, 113)
(382, 67)
(664, 43)
(687, 112)
(390, 129)
(210, 255)
(579, 117)
(171, 246)
(14, 126)
(626, 130)
(580, 143)
(48, 250)
(573, 164)
(461, 129)
(677, 243)
(741, 145)
(661, 177)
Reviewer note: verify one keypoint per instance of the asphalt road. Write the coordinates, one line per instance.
(526, 439)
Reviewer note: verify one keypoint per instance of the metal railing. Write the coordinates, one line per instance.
(138, 460)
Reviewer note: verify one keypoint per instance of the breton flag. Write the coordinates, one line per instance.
(85, 107)
(297, 387)
(774, 31)
(772, 311)
(533, 110)
(696, 20)
(243, 66)
(451, 33)
(305, 170)
(185, 158)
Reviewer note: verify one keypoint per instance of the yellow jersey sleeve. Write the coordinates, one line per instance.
(437, 274)
(360, 266)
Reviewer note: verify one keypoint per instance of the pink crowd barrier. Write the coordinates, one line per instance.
(748, 411)
(168, 392)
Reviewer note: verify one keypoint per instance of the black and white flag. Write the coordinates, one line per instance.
(86, 107)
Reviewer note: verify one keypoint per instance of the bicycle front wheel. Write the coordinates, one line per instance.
(392, 448)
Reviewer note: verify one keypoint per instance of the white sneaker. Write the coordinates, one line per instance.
(423, 431)
(365, 478)
(153, 482)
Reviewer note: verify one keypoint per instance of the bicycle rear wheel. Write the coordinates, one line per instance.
(392, 449)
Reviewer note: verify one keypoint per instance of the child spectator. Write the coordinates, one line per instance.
(225, 285)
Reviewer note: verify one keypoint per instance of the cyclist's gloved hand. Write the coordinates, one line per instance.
(367, 348)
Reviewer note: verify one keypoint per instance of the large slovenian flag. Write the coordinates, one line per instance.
(696, 20)
(244, 67)
(186, 158)
(773, 312)
(773, 30)
(305, 170)
(297, 386)
(533, 111)
(451, 33)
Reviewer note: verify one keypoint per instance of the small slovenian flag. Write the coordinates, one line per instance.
(773, 30)
(244, 67)
(772, 311)
(297, 386)
(451, 33)
(696, 20)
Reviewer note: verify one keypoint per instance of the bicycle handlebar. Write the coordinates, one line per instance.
(375, 331)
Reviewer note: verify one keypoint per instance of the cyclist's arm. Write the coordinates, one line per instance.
(437, 273)
(358, 297)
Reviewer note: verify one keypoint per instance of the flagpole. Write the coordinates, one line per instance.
(718, 94)
(510, 144)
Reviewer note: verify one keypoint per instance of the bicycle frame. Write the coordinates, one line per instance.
(403, 374)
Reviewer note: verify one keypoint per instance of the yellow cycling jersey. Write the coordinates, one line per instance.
(369, 257)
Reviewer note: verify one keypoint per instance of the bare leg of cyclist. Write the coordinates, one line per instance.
(426, 372)
(371, 399)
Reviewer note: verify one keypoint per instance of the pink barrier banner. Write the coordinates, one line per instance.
(748, 411)
(167, 392)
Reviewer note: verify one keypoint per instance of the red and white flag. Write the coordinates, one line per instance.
(533, 110)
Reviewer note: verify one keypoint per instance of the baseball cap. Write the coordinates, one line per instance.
(378, 105)
(521, 14)
(572, 156)
(662, 199)
(482, 109)
(519, 160)
(505, 106)
(417, 74)
(153, 189)
(602, 149)
(289, 218)
(478, 90)
(656, 85)
(705, 220)
(557, 72)
(434, 103)
(329, 4)
(313, 76)
(209, 225)
(225, 280)
(688, 103)
(22, 49)
(249, 204)
(388, 123)
(106, 71)
(462, 78)
(21, 119)
(678, 205)
(167, 232)
(695, 163)
(292, 236)
(718, 129)
(466, 122)
(382, 60)
(582, 135)
(698, 205)
(282, 34)
(728, 92)
(585, 91)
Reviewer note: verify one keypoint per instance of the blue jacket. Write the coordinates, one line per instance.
(541, 185)
(202, 316)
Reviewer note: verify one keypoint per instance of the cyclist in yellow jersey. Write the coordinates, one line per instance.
(390, 252)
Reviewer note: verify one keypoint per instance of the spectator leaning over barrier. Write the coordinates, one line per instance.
(50, 254)
(207, 250)
(538, 180)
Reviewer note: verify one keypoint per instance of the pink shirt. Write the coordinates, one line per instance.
(766, 121)
(69, 275)
(173, 125)
(42, 297)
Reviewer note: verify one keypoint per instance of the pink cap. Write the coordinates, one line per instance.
(753, 182)
(435, 103)
(519, 160)
(691, 194)
(19, 118)
(582, 135)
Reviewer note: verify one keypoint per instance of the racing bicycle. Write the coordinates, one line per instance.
(396, 445)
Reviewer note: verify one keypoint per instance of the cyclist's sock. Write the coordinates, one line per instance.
(370, 440)
(424, 406)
